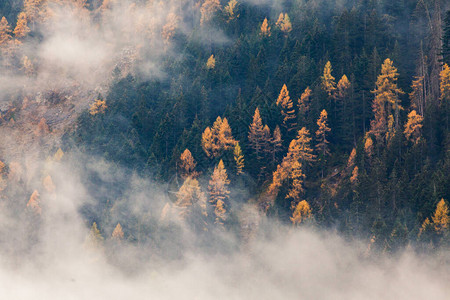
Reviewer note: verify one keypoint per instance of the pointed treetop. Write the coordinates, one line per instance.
(117, 234)
(328, 83)
(265, 28)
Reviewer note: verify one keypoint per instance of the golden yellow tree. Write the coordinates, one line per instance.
(218, 138)
(22, 28)
(218, 185)
(304, 103)
(95, 238)
(5, 32)
(287, 108)
(189, 194)
(321, 134)
(368, 146)
(187, 164)
(98, 107)
(239, 159)
(211, 63)
(301, 213)
(208, 9)
(445, 83)
(265, 28)
(413, 127)
(117, 234)
(328, 81)
(256, 134)
(284, 23)
(169, 29)
(220, 213)
(351, 158)
(231, 10)
(277, 143)
(440, 218)
(354, 177)
(343, 88)
(386, 99)
(34, 202)
(297, 177)
(32, 9)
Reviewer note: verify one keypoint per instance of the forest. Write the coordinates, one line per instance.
(209, 124)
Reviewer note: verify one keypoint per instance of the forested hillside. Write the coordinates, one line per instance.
(332, 114)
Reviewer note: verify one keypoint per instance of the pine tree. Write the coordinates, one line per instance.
(265, 28)
(386, 99)
(446, 39)
(328, 83)
(218, 185)
(287, 109)
(187, 165)
(413, 127)
(21, 29)
(301, 213)
(5, 32)
(239, 159)
(321, 134)
(117, 234)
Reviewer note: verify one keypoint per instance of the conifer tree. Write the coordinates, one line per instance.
(284, 23)
(189, 194)
(220, 213)
(321, 134)
(239, 159)
(31, 9)
(48, 184)
(413, 127)
(277, 143)
(95, 238)
(297, 177)
(169, 29)
(354, 177)
(386, 99)
(231, 10)
(218, 138)
(34, 202)
(117, 234)
(351, 158)
(328, 81)
(21, 29)
(256, 135)
(368, 147)
(208, 9)
(301, 213)
(303, 105)
(211, 63)
(98, 107)
(187, 165)
(287, 109)
(265, 28)
(218, 185)
(5, 32)
(441, 218)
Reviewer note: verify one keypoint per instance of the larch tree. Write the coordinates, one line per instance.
(445, 93)
(98, 107)
(211, 62)
(217, 139)
(352, 158)
(231, 10)
(299, 151)
(413, 127)
(95, 238)
(256, 135)
(303, 105)
(208, 9)
(187, 164)
(265, 28)
(218, 185)
(386, 100)
(301, 213)
(5, 32)
(117, 234)
(220, 213)
(297, 177)
(284, 23)
(354, 177)
(441, 218)
(239, 159)
(34, 202)
(287, 109)
(341, 100)
(189, 194)
(368, 146)
(328, 81)
(321, 134)
(22, 28)
(169, 29)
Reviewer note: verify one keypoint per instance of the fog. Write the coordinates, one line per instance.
(51, 260)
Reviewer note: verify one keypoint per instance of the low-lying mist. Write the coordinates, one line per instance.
(52, 260)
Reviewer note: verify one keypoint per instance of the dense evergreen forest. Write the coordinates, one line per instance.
(321, 113)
